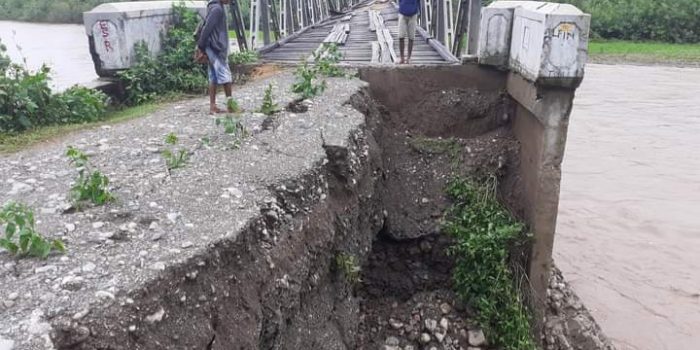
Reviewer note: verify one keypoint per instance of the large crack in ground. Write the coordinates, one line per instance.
(240, 249)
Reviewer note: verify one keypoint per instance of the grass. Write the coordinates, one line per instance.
(644, 52)
(10, 143)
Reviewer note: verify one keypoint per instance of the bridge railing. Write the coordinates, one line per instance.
(277, 19)
(454, 23)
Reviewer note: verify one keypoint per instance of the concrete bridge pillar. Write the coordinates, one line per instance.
(544, 46)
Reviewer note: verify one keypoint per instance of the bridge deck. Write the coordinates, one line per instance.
(358, 47)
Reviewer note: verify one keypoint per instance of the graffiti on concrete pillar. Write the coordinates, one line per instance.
(107, 44)
(104, 30)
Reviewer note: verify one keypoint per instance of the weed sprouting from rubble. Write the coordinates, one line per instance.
(21, 238)
(233, 127)
(174, 159)
(91, 185)
(268, 106)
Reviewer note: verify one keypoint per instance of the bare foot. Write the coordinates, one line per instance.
(402, 61)
(215, 110)
(408, 60)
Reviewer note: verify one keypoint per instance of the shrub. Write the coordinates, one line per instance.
(485, 231)
(21, 238)
(26, 100)
(243, 57)
(173, 70)
(660, 20)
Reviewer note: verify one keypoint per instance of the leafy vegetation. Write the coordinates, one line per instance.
(243, 57)
(676, 21)
(326, 60)
(13, 142)
(233, 106)
(173, 70)
(91, 185)
(307, 84)
(268, 106)
(233, 127)
(21, 238)
(349, 266)
(26, 100)
(174, 159)
(485, 231)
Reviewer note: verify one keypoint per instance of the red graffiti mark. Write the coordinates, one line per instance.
(104, 29)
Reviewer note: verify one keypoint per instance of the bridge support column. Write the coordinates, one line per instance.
(544, 45)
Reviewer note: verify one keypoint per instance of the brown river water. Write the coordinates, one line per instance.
(628, 233)
(629, 224)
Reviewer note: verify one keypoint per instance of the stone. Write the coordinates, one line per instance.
(158, 266)
(89, 267)
(70, 227)
(445, 308)
(172, 217)
(463, 333)
(392, 341)
(97, 224)
(80, 314)
(444, 324)
(430, 325)
(13, 296)
(20, 188)
(439, 336)
(103, 294)
(186, 244)
(476, 337)
(156, 316)
(235, 192)
(409, 347)
(425, 338)
(395, 324)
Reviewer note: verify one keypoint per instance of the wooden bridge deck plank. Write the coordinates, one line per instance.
(358, 47)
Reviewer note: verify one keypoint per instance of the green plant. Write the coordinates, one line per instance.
(91, 184)
(174, 159)
(349, 266)
(243, 57)
(26, 100)
(233, 127)
(233, 106)
(173, 70)
(19, 222)
(307, 85)
(485, 231)
(326, 60)
(268, 107)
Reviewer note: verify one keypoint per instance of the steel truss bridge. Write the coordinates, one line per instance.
(365, 31)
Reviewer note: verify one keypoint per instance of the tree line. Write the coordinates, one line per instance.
(675, 21)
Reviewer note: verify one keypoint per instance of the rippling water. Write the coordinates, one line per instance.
(629, 223)
(64, 47)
